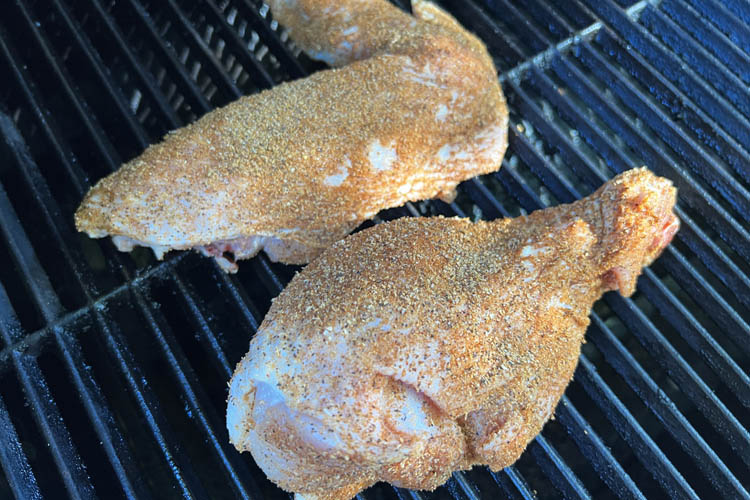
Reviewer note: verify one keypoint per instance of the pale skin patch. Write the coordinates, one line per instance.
(382, 156)
(442, 113)
(340, 176)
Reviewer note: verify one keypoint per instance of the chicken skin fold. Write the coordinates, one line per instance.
(413, 108)
(427, 345)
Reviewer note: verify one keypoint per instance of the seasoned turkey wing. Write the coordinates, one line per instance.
(426, 345)
(415, 109)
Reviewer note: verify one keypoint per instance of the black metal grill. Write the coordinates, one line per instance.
(113, 367)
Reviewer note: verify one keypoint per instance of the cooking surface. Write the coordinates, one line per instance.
(114, 367)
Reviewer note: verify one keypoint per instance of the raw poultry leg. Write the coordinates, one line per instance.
(426, 345)
(416, 110)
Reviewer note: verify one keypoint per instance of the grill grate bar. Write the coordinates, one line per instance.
(20, 248)
(740, 9)
(530, 34)
(239, 296)
(644, 447)
(271, 38)
(164, 108)
(713, 257)
(540, 60)
(196, 98)
(490, 206)
(34, 385)
(214, 64)
(702, 342)
(546, 15)
(702, 62)
(14, 463)
(99, 70)
(244, 55)
(730, 322)
(401, 493)
(687, 379)
(102, 419)
(208, 337)
(460, 478)
(509, 478)
(591, 445)
(60, 74)
(234, 467)
(714, 40)
(671, 66)
(501, 46)
(734, 28)
(21, 77)
(556, 469)
(46, 414)
(50, 422)
(34, 178)
(148, 405)
(577, 12)
(663, 407)
(32, 340)
(261, 262)
(106, 439)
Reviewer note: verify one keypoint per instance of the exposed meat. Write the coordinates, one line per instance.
(426, 345)
(416, 109)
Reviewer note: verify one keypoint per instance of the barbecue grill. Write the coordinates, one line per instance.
(114, 367)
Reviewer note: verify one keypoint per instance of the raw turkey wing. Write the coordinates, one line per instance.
(416, 109)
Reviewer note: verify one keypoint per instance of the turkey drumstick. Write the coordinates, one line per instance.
(427, 345)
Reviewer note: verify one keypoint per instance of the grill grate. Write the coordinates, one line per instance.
(113, 367)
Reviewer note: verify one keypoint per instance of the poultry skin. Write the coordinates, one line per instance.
(427, 345)
(415, 109)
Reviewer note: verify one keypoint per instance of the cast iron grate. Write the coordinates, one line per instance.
(113, 367)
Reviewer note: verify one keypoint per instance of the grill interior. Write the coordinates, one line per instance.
(113, 367)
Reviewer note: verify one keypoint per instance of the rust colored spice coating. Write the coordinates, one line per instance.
(426, 345)
(414, 109)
